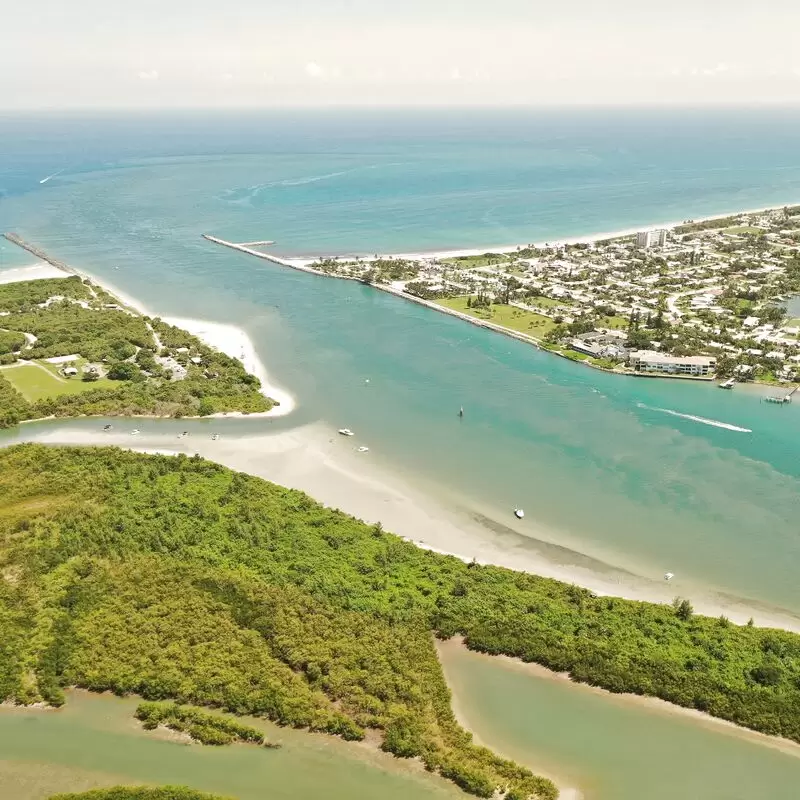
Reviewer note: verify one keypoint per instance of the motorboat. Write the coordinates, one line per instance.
(107, 427)
(363, 449)
(346, 432)
(668, 576)
(519, 513)
(214, 437)
(134, 431)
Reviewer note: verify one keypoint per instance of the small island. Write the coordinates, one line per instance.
(699, 300)
(70, 348)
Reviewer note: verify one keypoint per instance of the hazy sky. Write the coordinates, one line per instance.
(140, 53)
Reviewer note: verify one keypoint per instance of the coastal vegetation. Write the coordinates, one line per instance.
(178, 579)
(711, 291)
(139, 793)
(202, 726)
(516, 319)
(82, 353)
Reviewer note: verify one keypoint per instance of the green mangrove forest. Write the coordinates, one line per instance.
(200, 725)
(174, 578)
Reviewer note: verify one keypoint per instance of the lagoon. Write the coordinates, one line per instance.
(94, 741)
(613, 747)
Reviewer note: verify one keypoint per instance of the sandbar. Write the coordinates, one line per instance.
(314, 459)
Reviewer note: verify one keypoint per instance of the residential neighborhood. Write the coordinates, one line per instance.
(713, 298)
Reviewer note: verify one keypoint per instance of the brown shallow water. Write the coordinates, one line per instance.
(613, 747)
(94, 741)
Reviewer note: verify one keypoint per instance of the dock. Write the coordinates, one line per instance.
(781, 398)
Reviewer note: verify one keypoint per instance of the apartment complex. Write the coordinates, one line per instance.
(646, 239)
(651, 361)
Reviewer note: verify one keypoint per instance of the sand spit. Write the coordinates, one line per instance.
(235, 342)
(315, 460)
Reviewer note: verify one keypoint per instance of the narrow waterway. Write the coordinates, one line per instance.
(613, 747)
(95, 741)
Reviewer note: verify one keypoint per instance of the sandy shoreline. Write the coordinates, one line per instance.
(235, 342)
(227, 338)
(314, 459)
(31, 272)
(580, 239)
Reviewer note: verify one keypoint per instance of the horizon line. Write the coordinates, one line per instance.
(564, 106)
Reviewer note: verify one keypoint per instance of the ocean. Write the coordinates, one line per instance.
(643, 475)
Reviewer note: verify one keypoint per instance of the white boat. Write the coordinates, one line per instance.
(214, 437)
(346, 432)
(668, 576)
(362, 449)
(519, 513)
(134, 431)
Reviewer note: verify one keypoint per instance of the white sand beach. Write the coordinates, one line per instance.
(235, 342)
(226, 338)
(305, 261)
(32, 272)
(314, 459)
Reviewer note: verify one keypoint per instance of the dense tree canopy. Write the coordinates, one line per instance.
(176, 578)
(71, 316)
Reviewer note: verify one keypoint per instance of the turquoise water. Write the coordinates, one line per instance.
(594, 459)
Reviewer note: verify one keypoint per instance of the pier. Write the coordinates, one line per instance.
(247, 247)
(781, 398)
(16, 239)
(298, 264)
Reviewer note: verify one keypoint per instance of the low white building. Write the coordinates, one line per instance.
(650, 361)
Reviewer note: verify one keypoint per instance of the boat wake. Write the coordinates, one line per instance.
(703, 420)
(50, 177)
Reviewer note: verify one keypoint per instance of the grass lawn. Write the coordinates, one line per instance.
(743, 229)
(548, 302)
(509, 317)
(35, 383)
(485, 260)
(618, 323)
